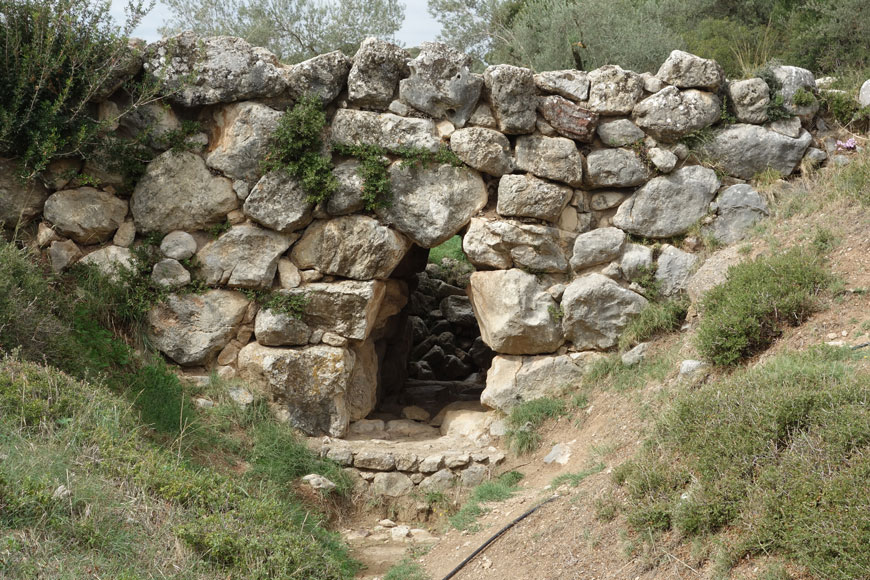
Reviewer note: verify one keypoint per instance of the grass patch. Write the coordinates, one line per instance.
(780, 454)
(526, 418)
(490, 491)
(407, 569)
(574, 479)
(610, 373)
(452, 249)
(657, 318)
(745, 314)
(82, 489)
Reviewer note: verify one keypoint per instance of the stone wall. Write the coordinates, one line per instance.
(560, 168)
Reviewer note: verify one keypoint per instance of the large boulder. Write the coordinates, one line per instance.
(323, 76)
(619, 133)
(738, 208)
(512, 97)
(178, 192)
(220, 69)
(279, 203)
(378, 66)
(442, 84)
(356, 246)
(615, 168)
(746, 150)
(485, 150)
(349, 308)
(348, 198)
(596, 310)
(191, 329)
(19, 202)
(527, 196)
(244, 257)
(668, 206)
(568, 119)
(242, 138)
(614, 91)
(555, 158)
(86, 215)
(504, 244)
(516, 314)
(571, 84)
(513, 380)
(597, 247)
(749, 98)
(687, 71)
(432, 203)
(110, 261)
(309, 383)
(272, 328)
(671, 113)
(350, 127)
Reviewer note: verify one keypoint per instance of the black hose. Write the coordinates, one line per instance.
(495, 537)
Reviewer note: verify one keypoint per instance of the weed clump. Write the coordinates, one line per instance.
(745, 314)
(525, 419)
(498, 489)
(656, 318)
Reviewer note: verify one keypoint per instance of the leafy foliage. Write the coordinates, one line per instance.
(58, 56)
(744, 315)
(295, 148)
(295, 30)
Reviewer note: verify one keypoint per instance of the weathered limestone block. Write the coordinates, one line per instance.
(614, 91)
(273, 328)
(528, 196)
(244, 257)
(596, 310)
(673, 269)
(348, 198)
(619, 133)
(208, 70)
(597, 247)
(86, 215)
(745, 150)
(156, 118)
(431, 204)
(110, 260)
(615, 168)
(568, 119)
(636, 261)
(19, 202)
(349, 308)
(749, 99)
(571, 84)
(169, 273)
(191, 329)
(687, 71)
(669, 205)
(178, 192)
(512, 97)
(378, 66)
(354, 246)
(63, 254)
(739, 208)
(512, 380)
(178, 245)
(713, 271)
(442, 84)
(350, 127)
(505, 244)
(439, 481)
(864, 94)
(671, 113)
(308, 382)
(279, 203)
(793, 79)
(242, 139)
(362, 391)
(483, 149)
(662, 159)
(555, 158)
(323, 76)
(515, 312)
(391, 484)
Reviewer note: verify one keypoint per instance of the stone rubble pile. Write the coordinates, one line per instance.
(559, 168)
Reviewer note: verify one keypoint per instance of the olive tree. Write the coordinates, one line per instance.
(294, 30)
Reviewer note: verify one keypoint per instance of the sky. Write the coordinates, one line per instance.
(418, 26)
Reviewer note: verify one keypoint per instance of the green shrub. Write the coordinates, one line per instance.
(58, 56)
(803, 98)
(295, 147)
(746, 313)
(778, 453)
